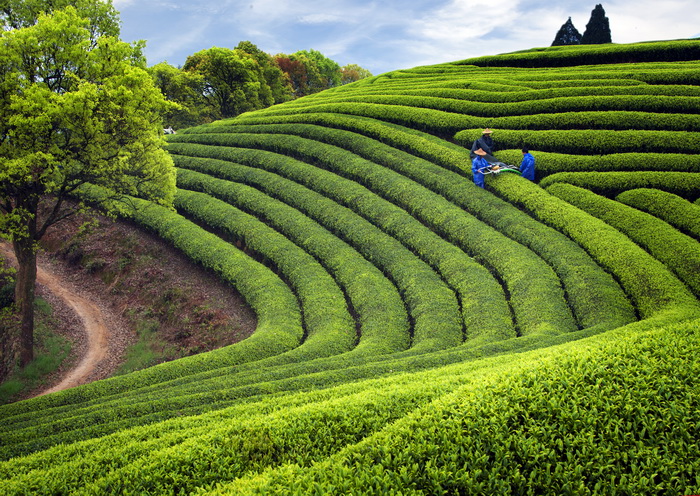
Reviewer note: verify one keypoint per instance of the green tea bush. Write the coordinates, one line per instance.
(596, 301)
(375, 301)
(592, 142)
(436, 317)
(671, 208)
(611, 184)
(680, 253)
(576, 423)
(329, 326)
(533, 313)
(660, 51)
(650, 284)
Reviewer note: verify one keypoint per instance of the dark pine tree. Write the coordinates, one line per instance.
(597, 29)
(567, 35)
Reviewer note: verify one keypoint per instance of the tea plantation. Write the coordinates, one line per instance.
(418, 334)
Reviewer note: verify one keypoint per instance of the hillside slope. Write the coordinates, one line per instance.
(418, 334)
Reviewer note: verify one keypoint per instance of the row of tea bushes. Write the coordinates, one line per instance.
(659, 51)
(611, 184)
(329, 327)
(576, 423)
(591, 142)
(683, 109)
(671, 208)
(376, 303)
(570, 262)
(680, 253)
(436, 318)
(536, 90)
(650, 285)
(533, 312)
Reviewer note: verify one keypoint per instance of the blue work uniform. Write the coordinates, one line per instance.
(527, 167)
(479, 163)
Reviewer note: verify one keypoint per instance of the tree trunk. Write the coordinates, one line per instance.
(25, 288)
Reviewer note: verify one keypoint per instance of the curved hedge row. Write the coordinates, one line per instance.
(591, 142)
(577, 423)
(533, 313)
(671, 208)
(649, 283)
(329, 327)
(676, 106)
(432, 305)
(570, 262)
(457, 157)
(680, 253)
(564, 88)
(660, 51)
(474, 285)
(611, 184)
(375, 300)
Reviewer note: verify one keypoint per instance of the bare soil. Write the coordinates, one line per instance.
(107, 285)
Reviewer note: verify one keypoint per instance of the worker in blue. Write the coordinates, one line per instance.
(478, 163)
(527, 166)
(486, 144)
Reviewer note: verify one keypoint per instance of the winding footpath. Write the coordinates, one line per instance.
(92, 320)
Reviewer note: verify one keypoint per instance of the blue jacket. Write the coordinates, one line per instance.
(479, 163)
(527, 167)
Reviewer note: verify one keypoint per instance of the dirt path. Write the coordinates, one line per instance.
(91, 317)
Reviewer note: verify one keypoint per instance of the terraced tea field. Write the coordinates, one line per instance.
(418, 334)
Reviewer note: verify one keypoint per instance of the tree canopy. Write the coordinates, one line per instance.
(77, 106)
(221, 82)
(567, 35)
(598, 28)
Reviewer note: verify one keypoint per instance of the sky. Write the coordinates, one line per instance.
(388, 35)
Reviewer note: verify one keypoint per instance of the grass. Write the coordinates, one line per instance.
(50, 353)
(148, 350)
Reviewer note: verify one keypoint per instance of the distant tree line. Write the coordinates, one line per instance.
(597, 31)
(218, 83)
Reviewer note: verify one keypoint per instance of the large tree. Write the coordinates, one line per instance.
(329, 70)
(234, 82)
(187, 90)
(274, 77)
(598, 28)
(76, 106)
(353, 72)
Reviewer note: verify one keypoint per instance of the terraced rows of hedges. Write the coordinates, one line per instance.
(418, 334)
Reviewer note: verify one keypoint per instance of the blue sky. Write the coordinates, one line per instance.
(387, 35)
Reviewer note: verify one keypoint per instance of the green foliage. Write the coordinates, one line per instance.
(52, 351)
(611, 184)
(577, 424)
(381, 316)
(60, 125)
(329, 71)
(274, 77)
(677, 251)
(325, 313)
(597, 29)
(186, 90)
(102, 16)
(658, 51)
(526, 338)
(648, 282)
(233, 81)
(671, 208)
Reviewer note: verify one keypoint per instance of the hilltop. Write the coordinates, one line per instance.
(417, 334)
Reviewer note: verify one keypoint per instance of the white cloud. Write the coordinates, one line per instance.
(320, 18)
(389, 34)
